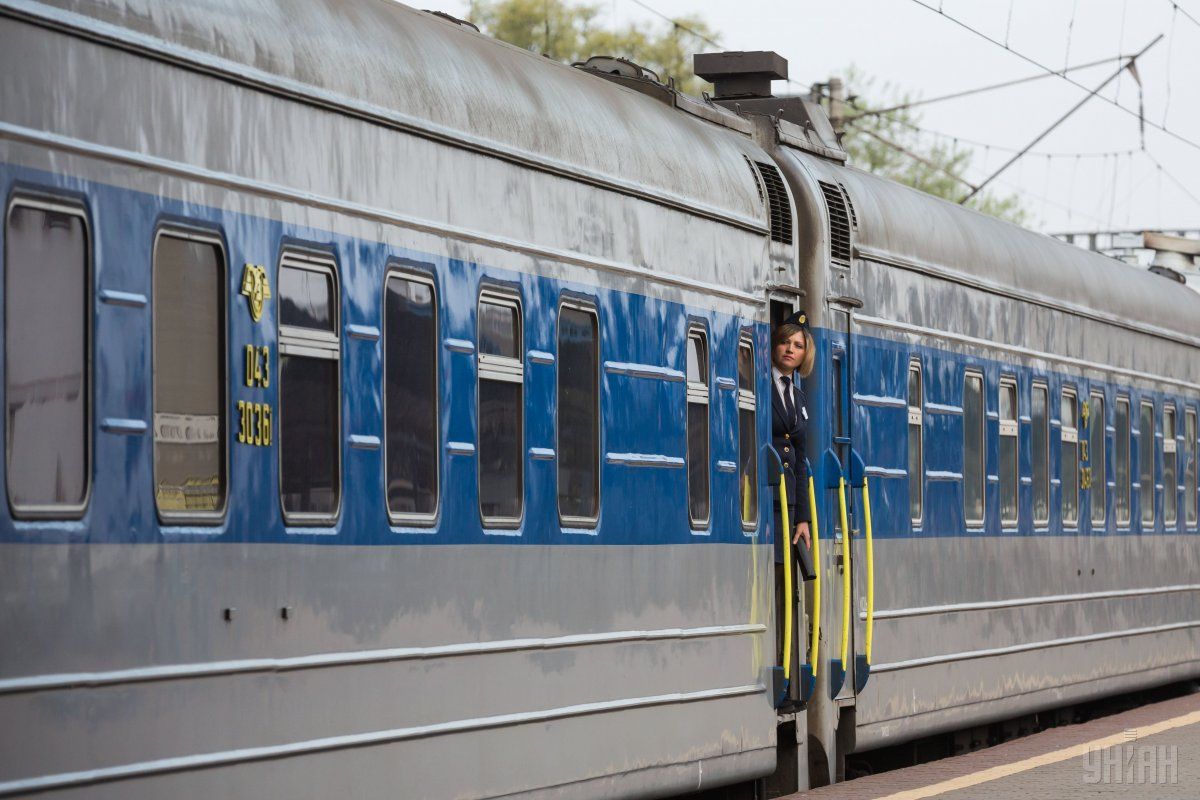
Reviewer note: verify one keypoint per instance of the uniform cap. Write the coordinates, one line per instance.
(799, 318)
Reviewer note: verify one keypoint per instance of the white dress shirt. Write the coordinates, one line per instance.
(779, 388)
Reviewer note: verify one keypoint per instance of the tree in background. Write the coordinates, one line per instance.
(873, 142)
(569, 31)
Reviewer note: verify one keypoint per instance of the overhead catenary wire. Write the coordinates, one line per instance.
(1170, 54)
(1093, 93)
(1190, 142)
(1121, 47)
(975, 142)
(1180, 9)
(679, 25)
(1070, 30)
(988, 88)
(1182, 187)
(1021, 190)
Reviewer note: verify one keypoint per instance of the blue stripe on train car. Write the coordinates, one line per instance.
(881, 371)
(643, 500)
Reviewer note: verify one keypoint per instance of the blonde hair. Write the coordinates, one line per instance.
(787, 331)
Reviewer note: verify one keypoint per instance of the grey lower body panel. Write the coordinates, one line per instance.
(400, 672)
(971, 630)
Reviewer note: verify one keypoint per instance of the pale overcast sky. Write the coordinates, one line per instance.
(922, 53)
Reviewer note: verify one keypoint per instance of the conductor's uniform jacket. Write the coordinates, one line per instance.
(789, 434)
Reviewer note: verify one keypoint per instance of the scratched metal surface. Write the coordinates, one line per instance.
(959, 290)
(377, 133)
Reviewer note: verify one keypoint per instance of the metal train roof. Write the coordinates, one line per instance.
(914, 226)
(447, 79)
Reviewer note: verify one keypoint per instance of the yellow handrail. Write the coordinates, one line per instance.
(816, 551)
(870, 569)
(745, 498)
(845, 573)
(787, 581)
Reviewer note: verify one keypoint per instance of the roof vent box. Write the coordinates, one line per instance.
(741, 74)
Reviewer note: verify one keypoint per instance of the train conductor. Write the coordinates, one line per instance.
(792, 356)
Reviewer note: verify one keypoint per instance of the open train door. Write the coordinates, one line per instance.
(846, 529)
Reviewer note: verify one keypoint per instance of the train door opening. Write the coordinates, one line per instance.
(780, 310)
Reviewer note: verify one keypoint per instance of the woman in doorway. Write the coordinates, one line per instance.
(792, 356)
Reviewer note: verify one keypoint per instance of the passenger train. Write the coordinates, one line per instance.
(386, 414)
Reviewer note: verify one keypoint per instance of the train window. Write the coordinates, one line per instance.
(1170, 476)
(1040, 446)
(410, 396)
(1096, 459)
(1069, 460)
(747, 435)
(1122, 473)
(189, 376)
(309, 361)
(974, 479)
(501, 409)
(697, 426)
(1190, 500)
(578, 414)
(46, 315)
(916, 442)
(1009, 475)
(1146, 463)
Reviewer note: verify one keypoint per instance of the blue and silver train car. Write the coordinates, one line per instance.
(386, 410)
(1022, 415)
(379, 402)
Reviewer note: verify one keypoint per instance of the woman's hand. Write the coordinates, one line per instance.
(802, 534)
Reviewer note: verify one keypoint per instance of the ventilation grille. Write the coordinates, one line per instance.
(849, 205)
(762, 198)
(777, 203)
(839, 224)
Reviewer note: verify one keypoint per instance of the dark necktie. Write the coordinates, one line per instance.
(788, 402)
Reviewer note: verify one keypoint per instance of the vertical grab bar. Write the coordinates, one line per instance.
(846, 543)
(787, 583)
(815, 646)
(870, 569)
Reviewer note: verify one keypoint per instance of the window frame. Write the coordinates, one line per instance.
(58, 204)
(916, 416)
(310, 343)
(1009, 429)
(1191, 496)
(211, 236)
(1170, 447)
(969, 374)
(509, 370)
(1068, 435)
(1151, 522)
(1100, 480)
(1127, 441)
(415, 276)
(692, 394)
(567, 521)
(747, 400)
(1044, 387)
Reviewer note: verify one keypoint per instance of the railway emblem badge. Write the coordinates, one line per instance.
(256, 289)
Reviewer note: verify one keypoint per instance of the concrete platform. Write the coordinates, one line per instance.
(1149, 752)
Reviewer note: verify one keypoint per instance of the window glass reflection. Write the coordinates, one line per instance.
(45, 336)
(410, 381)
(578, 415)
(189, 384)
(305, 299)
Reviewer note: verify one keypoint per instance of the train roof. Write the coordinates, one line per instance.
(447, 79)
(910, 225)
